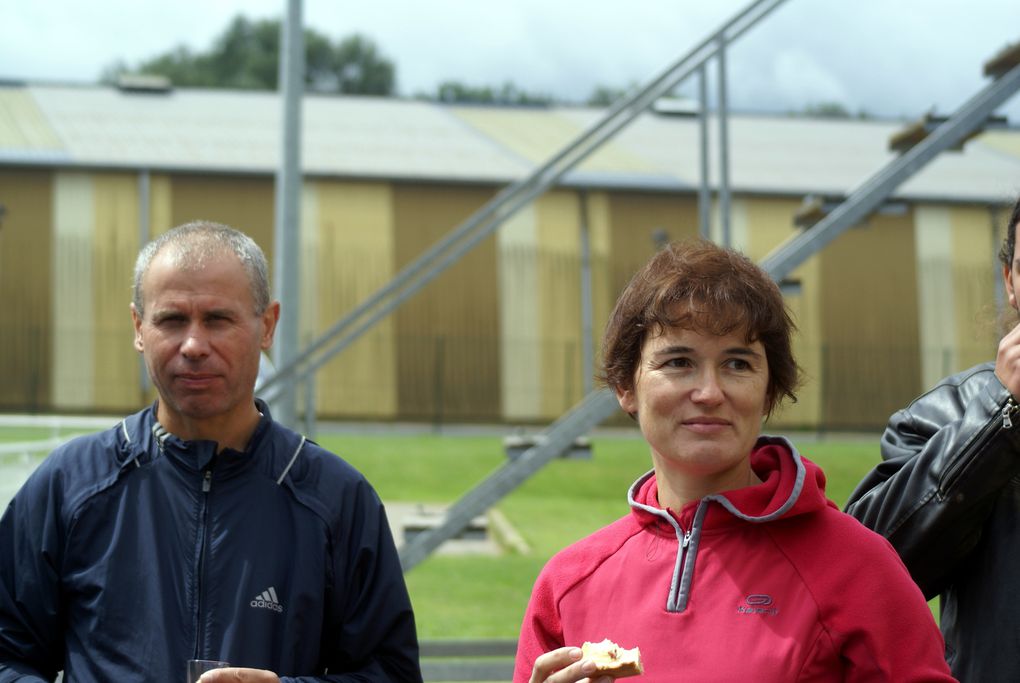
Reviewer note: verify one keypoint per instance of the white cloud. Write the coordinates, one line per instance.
(889, 58)
(799, 78)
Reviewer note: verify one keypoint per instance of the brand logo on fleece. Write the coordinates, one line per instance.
(758, 603)
(267, 600)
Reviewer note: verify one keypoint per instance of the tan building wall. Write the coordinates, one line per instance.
(448, 334)
(558, 283)
(498, 336)
(26, 281)
(957, 273)
(520, 318)
(349, 248)
(978, 273)
(870, 365)
(74, 331)
(543, 368)
(114, 249)
(760, 225)
(242, 203)
(636, 220)
(96, 238)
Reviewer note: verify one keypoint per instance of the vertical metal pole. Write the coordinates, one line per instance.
(144, 207)
(144, 235)
(288, 206)
(439, 384)
(704, 195)
(724, 147)
(309, 430)
(587, 343)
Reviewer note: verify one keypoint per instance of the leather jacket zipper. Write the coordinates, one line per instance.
(1007, 414)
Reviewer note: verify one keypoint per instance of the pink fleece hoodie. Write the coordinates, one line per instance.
(769, 583)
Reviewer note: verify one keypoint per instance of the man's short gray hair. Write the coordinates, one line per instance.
(192, 243)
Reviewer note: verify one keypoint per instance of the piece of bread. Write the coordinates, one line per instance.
(612, 660)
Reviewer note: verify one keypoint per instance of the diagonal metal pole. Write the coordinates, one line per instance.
(553, 442)
(867, 197)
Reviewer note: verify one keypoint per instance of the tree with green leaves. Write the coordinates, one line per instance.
(247, 54)
(603, 96)
(461, 93)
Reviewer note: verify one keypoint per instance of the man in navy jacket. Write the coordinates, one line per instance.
(199, 528)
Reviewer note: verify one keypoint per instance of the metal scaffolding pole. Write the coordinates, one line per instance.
(288, 207)
(724, 147)
(868, 196)
(587, 341)
(704, 193)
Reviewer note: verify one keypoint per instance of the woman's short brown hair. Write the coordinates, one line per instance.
(700, 286)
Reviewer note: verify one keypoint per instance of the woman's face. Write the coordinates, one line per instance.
(700, 400)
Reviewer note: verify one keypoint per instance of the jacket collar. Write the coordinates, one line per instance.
(791, 485)
(144, 439)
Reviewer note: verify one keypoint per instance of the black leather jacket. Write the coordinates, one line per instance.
(947, 496)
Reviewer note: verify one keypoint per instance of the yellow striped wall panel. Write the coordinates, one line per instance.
(160, 204)
(933, 241)
(762, 224)
(976, 274)
(558, 281)
(637, 221)
(519, 310)
(447, 334)
(869, 316)
(26, 281)
(114, 249)
(242, 203)
(353, 232)
(73, 297)
(957, 278)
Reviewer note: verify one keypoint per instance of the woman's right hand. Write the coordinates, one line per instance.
(565, 666)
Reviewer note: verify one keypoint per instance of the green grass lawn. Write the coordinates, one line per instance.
(480, 596)
(486, 596)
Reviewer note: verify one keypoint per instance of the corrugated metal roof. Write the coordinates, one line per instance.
(535, 135)
(22, 124)
(238, 131)
(1008, 143)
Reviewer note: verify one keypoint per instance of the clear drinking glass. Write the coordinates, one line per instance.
(197, 667)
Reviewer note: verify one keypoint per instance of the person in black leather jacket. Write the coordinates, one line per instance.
(947, 496)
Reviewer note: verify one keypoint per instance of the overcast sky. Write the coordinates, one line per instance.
(895, 58)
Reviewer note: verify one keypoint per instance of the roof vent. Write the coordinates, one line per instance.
(144, 83)
(1003, 61)
(676, 106)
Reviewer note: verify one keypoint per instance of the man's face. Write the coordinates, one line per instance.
(1011, 274)
(201, 340)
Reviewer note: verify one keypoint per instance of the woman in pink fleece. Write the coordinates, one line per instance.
(732, 565)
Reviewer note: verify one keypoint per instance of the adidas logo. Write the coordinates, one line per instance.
(268, 600)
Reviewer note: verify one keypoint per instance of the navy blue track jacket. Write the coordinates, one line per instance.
(128, 552)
